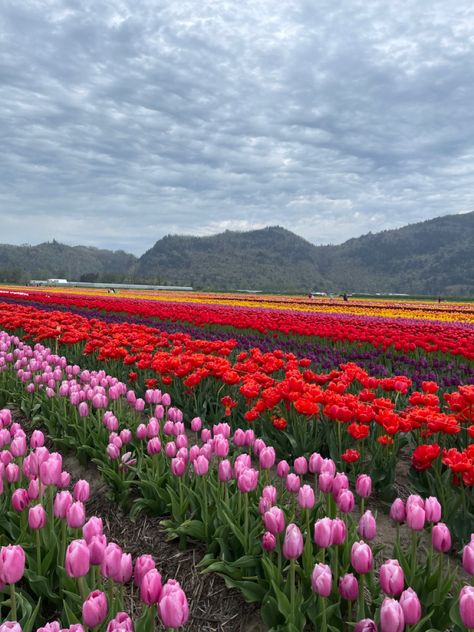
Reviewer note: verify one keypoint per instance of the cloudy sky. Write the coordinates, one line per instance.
(125, 120)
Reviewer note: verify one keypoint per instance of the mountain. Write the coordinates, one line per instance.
(431, 257)
(55, 260)
(267, 259)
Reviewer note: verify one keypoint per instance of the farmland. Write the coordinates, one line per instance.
(318, 452)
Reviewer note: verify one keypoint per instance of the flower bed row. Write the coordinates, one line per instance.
(291, 540)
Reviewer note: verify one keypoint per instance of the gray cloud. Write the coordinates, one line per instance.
(122, 122)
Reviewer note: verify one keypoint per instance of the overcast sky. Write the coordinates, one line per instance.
(122, 121)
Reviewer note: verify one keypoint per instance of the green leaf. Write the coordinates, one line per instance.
(70, 616)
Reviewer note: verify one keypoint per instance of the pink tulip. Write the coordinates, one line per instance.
(82, 491)
(77, 559)
(300, 465)
(361, 557)
(248, 480)
(269, 492)
(441, 538)
(315, 461)
(339, 483)
(339, 531)
(274, 520)
(37, 439)
(12, 563)
(268, 541)
(125, 571)
(166, 399)
(411, 606)
(196, 424)
(468, 557)
(50, 470)
(201, 465)
(267, 458)
(64, 480)
(20, 499)
(11, 626)
(293, 483)
(178, 467)
(432, 509)
(121, 623)
(225, 471)
(328, 467)
(415, 517)
(258, 446)
(173, 606)
(392, 578)
(325, 481)
(206, 435)
(323, 532)
(143, 564)
(141, 432)
(221, 447)
(111, 563)
(282, 469)
(76, 515)
(349, 587)
(94, 526)
(391, 616)
(363, 486)
(36, 517)
(97, 545)
(94, 609)
(397, 511)
(366, 625)
(83, 409)
(306, 499)
(367, 528)
(153, 446)
(321, 580)
(62, 502)
(293, 542)
(150, 587)
(345, 501)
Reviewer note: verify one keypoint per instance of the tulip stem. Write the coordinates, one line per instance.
(324, 625)
(440, 571)
(246, 525)
(205, 518)
(361, 606)
(292, 590)
(414, 542)
(13, 602)
(38, 552)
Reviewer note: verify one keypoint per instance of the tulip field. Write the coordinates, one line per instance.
(319, 453)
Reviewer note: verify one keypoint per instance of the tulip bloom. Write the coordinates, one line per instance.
(225, 471)
(391, 616)
(143, 564)
(432, 509)
(201, 465)
(20, 499)
(321, 580)
(268, 541)
(415, 517)
(94, 526)
(12, 563)
(361, 557)
(36, 517)
(248, 480)
(150, 587)
(282, 469)
(306, 498)
(367, 528)
(411, 606)
(397, 511)
(349, 587)
(173, 606)
(300, 465)
(323, 532)
(468, 557)
(94, 609)
(274, 520)
(363, 486)
(392, 578)
(441, 538)
(293, 542)
(77, 559)
(366, 625)
(293, 483)
(76, 515)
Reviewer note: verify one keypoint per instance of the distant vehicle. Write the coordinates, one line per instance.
(318, 294)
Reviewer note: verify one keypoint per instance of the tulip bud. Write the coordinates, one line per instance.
(282, 469)
(468, 557)
(76, 515)
(363, 486)
(111, 563)
(94, 609)
(391, 616)
(94, 526)
(12, 563)
(392, 579)
(150, 587)
(411, 606)
(367, 528)
(441, 538)
(315, 461)
(361, 557)
(293, 542)
(293, 483)
(415, 517)
(345, 501)
(274, 520)
(339, 483)
(36, 517)
(225, 471)
(270, 493)
(268, 541)
(62, 502)
(20, 499)
(173, 606)
(306, 498)
(77, 559)
(267, 458)
(81, 491)
(323, 532)
(397, 511)
(300, 465)
(339, 531)
(201, 465)
(178, 467)
(432, 509)
(143, 564)
(365, 625)
(321, 580)
(97, 545)
(349, 587)
(248, 480)
(196, 424)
